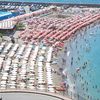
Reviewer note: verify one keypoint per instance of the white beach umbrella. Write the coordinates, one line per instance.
(12, 82)
(49, 70)
(51, 89)
(15, 47)
(31, 80)
(11, 54)
(41, 58)
(50, 81)
(40, 64)
(44, 48)
(32, 87)
(12, 87)
(5, 73)
(40, 70)
(7, 67)
(40, 78)
(8, 62)
(40, 75)
(4, 78)
(49, 73)
(3, 82)
(40, 81)
(3, 86)
(12, 78)
(14, 74)
(42, 52)
(14, 71)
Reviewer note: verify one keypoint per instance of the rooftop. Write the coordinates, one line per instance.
(7, 24)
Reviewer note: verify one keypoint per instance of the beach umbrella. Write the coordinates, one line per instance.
(40, 76)
(5, 74)
(12, 87)
(3, 82)
(31, 87)
(14, 73)
(12, 78)
(4, 78)
(50, 86)
(49, 81)
(48, 69)
(31, 81)
(3, 86)
(40, 64)
(40, 81)
(12, 82)
(51, 90)
(49, 77)
(40, 70)
(41, 87)
(49, 73)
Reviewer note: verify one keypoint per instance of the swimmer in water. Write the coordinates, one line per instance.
(78, 69)
(84, 66)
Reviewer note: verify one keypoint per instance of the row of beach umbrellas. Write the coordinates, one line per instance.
(18, 65)
(53, 31)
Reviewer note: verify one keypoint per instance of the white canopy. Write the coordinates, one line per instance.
(7, 24)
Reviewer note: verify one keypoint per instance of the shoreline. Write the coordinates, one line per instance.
(69, 70)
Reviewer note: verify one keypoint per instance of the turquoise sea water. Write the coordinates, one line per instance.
(85, 55)
(2, 13)
(60, 1)
(7, 14)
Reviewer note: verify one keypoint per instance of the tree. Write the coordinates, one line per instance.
(20, 26)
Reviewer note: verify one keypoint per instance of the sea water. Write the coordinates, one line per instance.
(83, 63)
(60, 1)
(7, 14)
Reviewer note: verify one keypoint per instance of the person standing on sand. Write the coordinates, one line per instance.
(12, 39)
(0, 98)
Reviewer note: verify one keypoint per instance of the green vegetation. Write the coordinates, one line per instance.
(61, 16)
(2, 33)
(20, 26)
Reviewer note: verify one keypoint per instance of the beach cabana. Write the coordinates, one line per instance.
(8, 24)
